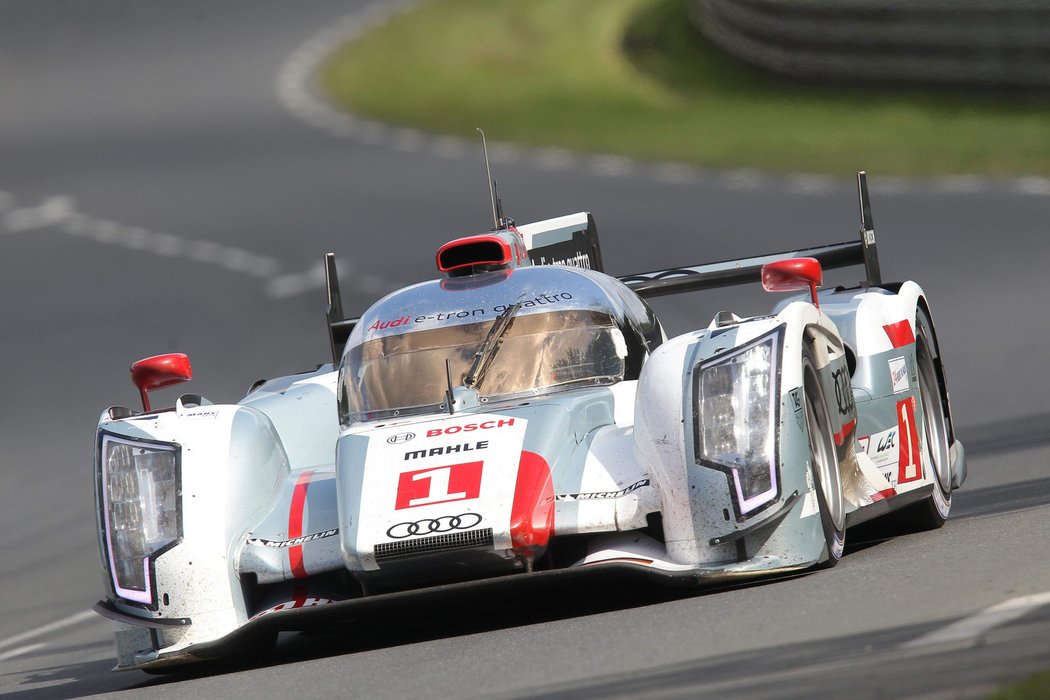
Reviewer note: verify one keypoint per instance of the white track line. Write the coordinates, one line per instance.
(82, 616)
(59, 212)
(298, 90)
(21, 650)
(971, 628)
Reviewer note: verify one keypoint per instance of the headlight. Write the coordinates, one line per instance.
(736, 401)
(140, 487)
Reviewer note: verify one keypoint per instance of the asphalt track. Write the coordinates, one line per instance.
(156, 195)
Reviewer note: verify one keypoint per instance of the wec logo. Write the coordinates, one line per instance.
(424, 487)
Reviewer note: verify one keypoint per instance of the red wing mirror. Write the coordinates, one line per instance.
(793, 275)
(158, 372)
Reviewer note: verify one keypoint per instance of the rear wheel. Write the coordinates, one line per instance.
(824, 466)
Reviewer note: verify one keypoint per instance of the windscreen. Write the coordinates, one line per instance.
(538, 353)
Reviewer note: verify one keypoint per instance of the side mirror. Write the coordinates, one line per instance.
(158, 372)
(793, 275)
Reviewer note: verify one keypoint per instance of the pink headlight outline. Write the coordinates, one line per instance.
(132, 594)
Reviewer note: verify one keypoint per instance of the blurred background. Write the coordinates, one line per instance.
(172, 173)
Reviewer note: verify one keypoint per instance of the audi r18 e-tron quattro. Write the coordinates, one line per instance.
(525, 414)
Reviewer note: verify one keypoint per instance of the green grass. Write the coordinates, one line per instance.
(632, 77)
(1035, 688)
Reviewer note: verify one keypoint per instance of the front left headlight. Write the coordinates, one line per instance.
(141, 504)
(736, 399)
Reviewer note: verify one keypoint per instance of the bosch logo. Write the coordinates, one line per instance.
(400, 437)
(446, 523)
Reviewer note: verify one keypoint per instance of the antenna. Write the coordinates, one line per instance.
(492, 183)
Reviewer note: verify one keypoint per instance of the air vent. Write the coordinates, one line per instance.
(389, 551)
(498, 250)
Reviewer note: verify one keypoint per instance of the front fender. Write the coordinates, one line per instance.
(231, 463)
(703, 525)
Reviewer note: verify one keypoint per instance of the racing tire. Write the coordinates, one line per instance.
(930, 513)
(824, 467)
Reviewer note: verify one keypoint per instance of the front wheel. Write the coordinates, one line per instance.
(824, 466)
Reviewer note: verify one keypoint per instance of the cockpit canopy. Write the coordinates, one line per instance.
(574, 328)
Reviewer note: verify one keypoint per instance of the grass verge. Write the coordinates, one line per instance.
(632, 77)
(1035, 688)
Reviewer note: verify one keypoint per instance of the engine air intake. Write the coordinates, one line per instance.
(498, 250)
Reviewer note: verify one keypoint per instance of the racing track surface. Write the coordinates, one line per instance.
(156, 195)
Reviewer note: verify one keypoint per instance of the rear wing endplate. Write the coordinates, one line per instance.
(747, 270)
(567, 240)
(339, 328)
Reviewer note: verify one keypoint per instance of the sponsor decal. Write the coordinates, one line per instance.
(470, 427)
(395, 323)
(602, 494)
(401, 437)
(210, 414)
(843, 391)
(899, 374)
(462, 314)
(796, 403)
(448, 449)
(579, 260)
(888, 442)
(280, 544)
(882, 448)
(424, 487)
(430, 526)
(306, 602)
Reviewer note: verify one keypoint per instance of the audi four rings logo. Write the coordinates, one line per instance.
(446, 523)
(400, 437)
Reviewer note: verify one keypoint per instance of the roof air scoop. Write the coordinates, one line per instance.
(499, 250)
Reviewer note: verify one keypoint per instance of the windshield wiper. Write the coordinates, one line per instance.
(491, 345)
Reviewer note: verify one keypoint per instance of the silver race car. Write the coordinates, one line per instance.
(522, 416)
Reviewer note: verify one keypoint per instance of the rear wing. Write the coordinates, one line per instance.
(747, 270)
(573, 240)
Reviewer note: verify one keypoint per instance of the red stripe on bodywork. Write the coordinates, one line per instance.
(295, 523)
(900, 333)
(840, 437)
(883, 495)
(532, 512)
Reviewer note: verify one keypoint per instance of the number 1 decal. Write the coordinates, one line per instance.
(910, 457)
(424, 487)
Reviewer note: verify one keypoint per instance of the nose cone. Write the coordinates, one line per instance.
(460, 489)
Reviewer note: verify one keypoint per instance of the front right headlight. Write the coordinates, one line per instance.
(736, 398)
(142, 509)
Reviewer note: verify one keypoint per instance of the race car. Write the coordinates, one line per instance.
(521, 416)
